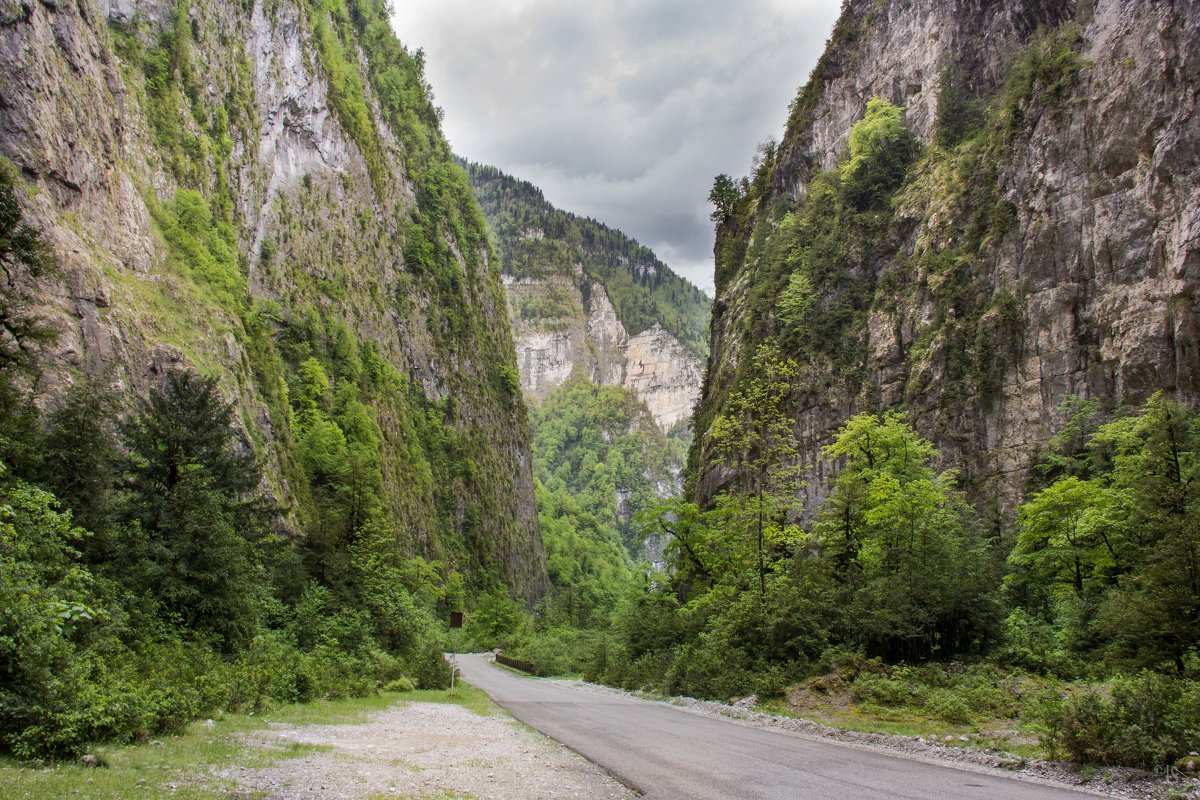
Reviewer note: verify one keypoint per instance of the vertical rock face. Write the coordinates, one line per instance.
(578, 298)
(662, 374)
(592, 341)
(1044, 243)
(156, 141)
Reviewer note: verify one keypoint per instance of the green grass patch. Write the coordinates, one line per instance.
(184, 766)
(463, 694)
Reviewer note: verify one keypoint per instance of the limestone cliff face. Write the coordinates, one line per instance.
(1044, 243)
(592, 341)
(153, 137)
(587, 300)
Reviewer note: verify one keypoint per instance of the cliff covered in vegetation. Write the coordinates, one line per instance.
(261, 425)
(261, 192)
(976, 212)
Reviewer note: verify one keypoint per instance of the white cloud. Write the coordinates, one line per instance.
(622, 111)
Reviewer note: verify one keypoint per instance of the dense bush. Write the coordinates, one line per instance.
(1143, 721)
(881, 149)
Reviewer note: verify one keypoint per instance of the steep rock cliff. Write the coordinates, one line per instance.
(585, 299)
(237, 188)
(1040, 242)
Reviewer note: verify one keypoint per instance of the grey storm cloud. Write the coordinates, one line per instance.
(621, 111)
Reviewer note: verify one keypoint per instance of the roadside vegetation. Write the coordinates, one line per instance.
(146, 577)
(895, 608)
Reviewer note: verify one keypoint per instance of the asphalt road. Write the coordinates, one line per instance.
(670, 754)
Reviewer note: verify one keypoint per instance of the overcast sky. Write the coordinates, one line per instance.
(623, 110)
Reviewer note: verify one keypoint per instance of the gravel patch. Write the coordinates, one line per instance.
(423, 750)
(1101, 781)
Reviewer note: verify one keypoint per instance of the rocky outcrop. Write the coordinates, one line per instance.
(585, 299)
(589, 339)
(133, 123)
(1058, 258)
(662, 375)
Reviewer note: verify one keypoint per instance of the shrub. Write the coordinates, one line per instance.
(880, 152)
(948, 705)
(881, 690)
(1145, 721)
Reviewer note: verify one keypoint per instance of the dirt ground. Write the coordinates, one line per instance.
(424, 750)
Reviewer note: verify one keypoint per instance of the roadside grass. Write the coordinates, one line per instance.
(976, 706)
(1018, 737)
(184, 767)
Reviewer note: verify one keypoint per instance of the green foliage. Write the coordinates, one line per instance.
(754, 438)
(1042, 75)
(166, 613)
(1063, 534)
(725, 196)
(330, 22)
(958, 115)
(534, 239)
(600, 453)
(1144, 721)
(599, 460)
(81, 453)
(880, 150)
(24, 257)
(952, 693)
(495, 620)
(49, 602)
(894, 563)
(202, 248)
(1118, 537)
(192, 518)
(555, 304)
(905, 542)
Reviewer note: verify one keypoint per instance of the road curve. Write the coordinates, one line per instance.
(670, 754)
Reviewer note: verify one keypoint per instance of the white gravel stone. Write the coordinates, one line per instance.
(424, 750)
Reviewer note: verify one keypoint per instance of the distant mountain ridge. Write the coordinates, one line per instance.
(585, 298)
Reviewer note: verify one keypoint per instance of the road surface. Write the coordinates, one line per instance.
(670, 754)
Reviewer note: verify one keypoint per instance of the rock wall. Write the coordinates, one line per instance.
(591, 340)
(107, 134)
(1086, 284)
(586, 299)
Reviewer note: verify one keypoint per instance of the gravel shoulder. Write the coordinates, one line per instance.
(422, 750)
(1102, 781)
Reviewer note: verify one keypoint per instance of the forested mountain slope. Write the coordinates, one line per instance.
(976, 212)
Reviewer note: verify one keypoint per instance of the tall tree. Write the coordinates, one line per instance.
(81, 454)
(195, 516)
(904, 543)
(753, 437)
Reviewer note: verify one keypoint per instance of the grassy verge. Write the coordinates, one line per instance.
(1016, 736)
(183, 767)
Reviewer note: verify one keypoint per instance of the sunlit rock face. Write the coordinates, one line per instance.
(590, 340)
